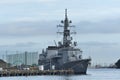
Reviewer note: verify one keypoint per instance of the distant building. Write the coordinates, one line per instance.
(3, 64)
(26, 58)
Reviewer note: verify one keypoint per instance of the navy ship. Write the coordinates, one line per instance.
(65, 55)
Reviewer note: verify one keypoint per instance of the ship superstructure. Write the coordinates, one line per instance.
(65, 55)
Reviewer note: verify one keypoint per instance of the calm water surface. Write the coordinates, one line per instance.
(93, 74)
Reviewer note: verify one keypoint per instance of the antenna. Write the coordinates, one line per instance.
(66, 25)
(55, 43)
(65, 13)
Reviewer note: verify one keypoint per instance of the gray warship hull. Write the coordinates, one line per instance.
(65, 55)
(79, 66)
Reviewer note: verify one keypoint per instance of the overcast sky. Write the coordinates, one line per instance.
(31, 25)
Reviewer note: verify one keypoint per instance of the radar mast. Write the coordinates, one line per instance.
(67, 39)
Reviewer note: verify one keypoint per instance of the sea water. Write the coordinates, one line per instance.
(92, 74)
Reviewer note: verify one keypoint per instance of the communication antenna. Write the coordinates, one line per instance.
(55, 43)
(66, 25)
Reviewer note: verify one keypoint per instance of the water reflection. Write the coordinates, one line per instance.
(68, 77)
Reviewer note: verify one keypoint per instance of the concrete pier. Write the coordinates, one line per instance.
(35, 72)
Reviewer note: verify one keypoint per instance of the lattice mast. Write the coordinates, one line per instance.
(67, 39)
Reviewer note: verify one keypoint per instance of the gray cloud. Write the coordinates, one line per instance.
(17, 45)
(49, 27)
(27, 28)
(20, 47)
(28, 44)
(97, 44)
(23, 1)
(107, 26)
